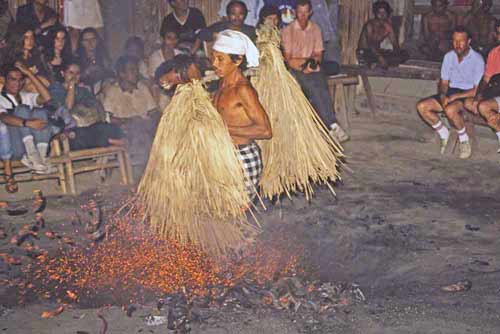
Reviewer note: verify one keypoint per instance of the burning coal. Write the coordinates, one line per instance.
(132, 265)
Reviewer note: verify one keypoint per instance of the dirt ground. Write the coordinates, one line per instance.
(396, 228)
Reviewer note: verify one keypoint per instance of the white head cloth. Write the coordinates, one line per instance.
(237, 43)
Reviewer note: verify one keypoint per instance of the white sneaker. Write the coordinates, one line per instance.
(337, 133)
(38, 168)
(465, 150)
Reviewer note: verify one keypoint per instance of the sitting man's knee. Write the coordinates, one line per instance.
(483, 108)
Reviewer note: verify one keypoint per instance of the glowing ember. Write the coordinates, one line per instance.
(131, 265)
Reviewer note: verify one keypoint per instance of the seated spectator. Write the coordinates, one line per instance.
(93, 58)
(303, 50)
(24, 133)
(271, 16)
(461, 73)
(487, 100)
(437, 26)
(253, 6)
(83, 115)
(375, 33)
(167, 51)
(81, 14)
(36, 16)
(286, 7)
(23, 48)
(134, 47)
(131, 105)
(57, 52)
(184, 20)
(236, 13)
(481, 24)
(72, 102)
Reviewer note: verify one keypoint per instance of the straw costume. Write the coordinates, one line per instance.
(301, 152)
(193, 188)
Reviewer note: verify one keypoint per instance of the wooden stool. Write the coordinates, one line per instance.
(118, 155)
(340, 81)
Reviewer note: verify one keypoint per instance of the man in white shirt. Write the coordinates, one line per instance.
(461, 72)
(253, 6)
(23, 130)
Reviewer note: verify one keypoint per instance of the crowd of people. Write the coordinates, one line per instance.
(56, 75)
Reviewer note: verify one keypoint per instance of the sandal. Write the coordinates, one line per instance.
(11, 184)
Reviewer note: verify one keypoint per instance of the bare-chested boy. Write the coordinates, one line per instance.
(481, 25)
(376, 32)
(238, 103)
(437, 26)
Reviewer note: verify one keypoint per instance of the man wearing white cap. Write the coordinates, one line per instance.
(238, 103)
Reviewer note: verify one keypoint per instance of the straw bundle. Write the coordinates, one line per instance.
(193, 187)
(301, 152)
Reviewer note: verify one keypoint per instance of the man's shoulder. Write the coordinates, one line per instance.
(449, 56)
(494, 52)
(195, 11)
(476, 56)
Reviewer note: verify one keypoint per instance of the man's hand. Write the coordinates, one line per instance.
(36, 124)
(23, 68)
(475, 104)
(445, 100)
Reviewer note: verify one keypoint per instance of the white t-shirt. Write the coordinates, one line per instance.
(81, 14)
(27, 98)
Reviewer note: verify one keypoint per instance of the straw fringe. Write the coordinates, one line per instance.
(301, 153)
(193, 187)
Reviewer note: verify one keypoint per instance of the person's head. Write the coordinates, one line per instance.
(14, 79)
(178, 70)
(170, 39)
(89, 40)
(439, 6)
(71, 72)
(270, 15)
(461, 40)
(485, 5)
(134, 46)
(225, 63)
(236, 12)
(179, 5)
(29, 40)
(303, 11)
(127, 69)
(232, 51)
(381, 10)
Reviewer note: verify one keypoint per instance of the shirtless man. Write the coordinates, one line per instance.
(437, 26)
(481, 25)
(238, 103)
(374, 33)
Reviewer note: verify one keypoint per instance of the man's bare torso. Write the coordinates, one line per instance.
(376, 32)
(482, 28)
(228, 103)
(439, 27)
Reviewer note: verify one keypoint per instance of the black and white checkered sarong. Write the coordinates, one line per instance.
(251, 161)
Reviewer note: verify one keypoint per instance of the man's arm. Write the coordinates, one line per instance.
(260, 127)
(392, 37)
(468, 93)
(12, 120)
(44, 95)
(443, 90)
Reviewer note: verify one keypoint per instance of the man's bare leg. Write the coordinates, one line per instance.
(489, 110)
(428, 109)
(10, 183)
(453, 113)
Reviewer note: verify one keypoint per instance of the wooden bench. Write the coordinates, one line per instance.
(95, 159)
(339, 81)
(412, 69)
(25, 174)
